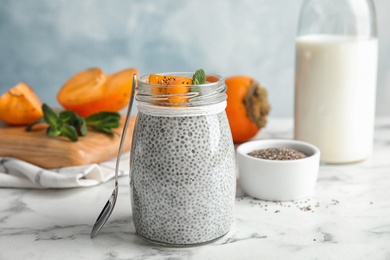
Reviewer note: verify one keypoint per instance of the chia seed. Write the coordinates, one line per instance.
(182, 194)
(278, 153)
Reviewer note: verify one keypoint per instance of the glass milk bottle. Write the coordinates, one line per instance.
(336, 72)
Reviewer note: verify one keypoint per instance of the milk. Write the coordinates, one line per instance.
(335, 95)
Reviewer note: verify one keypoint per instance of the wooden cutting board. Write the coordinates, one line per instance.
(48, 152)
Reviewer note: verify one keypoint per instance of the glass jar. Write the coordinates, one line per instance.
(336, 72)
(182, 166)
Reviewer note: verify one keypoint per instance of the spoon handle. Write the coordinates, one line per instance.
(109, 206)
(125, 129)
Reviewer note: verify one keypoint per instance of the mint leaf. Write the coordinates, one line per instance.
(104, 121)
(71, 125)
(51, 117)
(199, 77)
(83, 128)
(70, 132)
(102, 116)
(54, 131)
(72, 118)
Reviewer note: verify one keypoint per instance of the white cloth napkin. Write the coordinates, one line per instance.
(15, 173)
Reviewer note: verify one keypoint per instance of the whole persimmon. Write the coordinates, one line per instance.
(20, 105)
(92, 91)
(247, 107)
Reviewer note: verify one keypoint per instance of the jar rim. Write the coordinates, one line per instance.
(145, 78)
(189, 96)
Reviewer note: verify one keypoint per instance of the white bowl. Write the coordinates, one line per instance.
(278, 180)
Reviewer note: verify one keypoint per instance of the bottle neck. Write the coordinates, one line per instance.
(354, 18)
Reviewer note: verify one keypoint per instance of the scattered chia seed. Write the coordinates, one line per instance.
(278, 153)
(303, 205)
(306, 208)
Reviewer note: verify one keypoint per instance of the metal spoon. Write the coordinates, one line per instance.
(109, 207)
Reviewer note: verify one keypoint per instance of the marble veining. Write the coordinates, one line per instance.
(348, 217)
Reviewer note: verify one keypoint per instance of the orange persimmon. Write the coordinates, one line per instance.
(178, 86)
(171, 85)
(247, 107)
(20, 105)
(211, 78)
(92, 91)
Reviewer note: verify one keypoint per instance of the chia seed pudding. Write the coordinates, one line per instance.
(182, 178)
(182, 167)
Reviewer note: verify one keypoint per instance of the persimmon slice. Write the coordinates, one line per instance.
(171, 85)
(176, 87)
(20, 105)
(92, 91)
(211, 78)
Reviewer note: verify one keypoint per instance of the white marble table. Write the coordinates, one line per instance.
(347, 218)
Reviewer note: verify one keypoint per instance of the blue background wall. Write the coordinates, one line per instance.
(44, 42)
